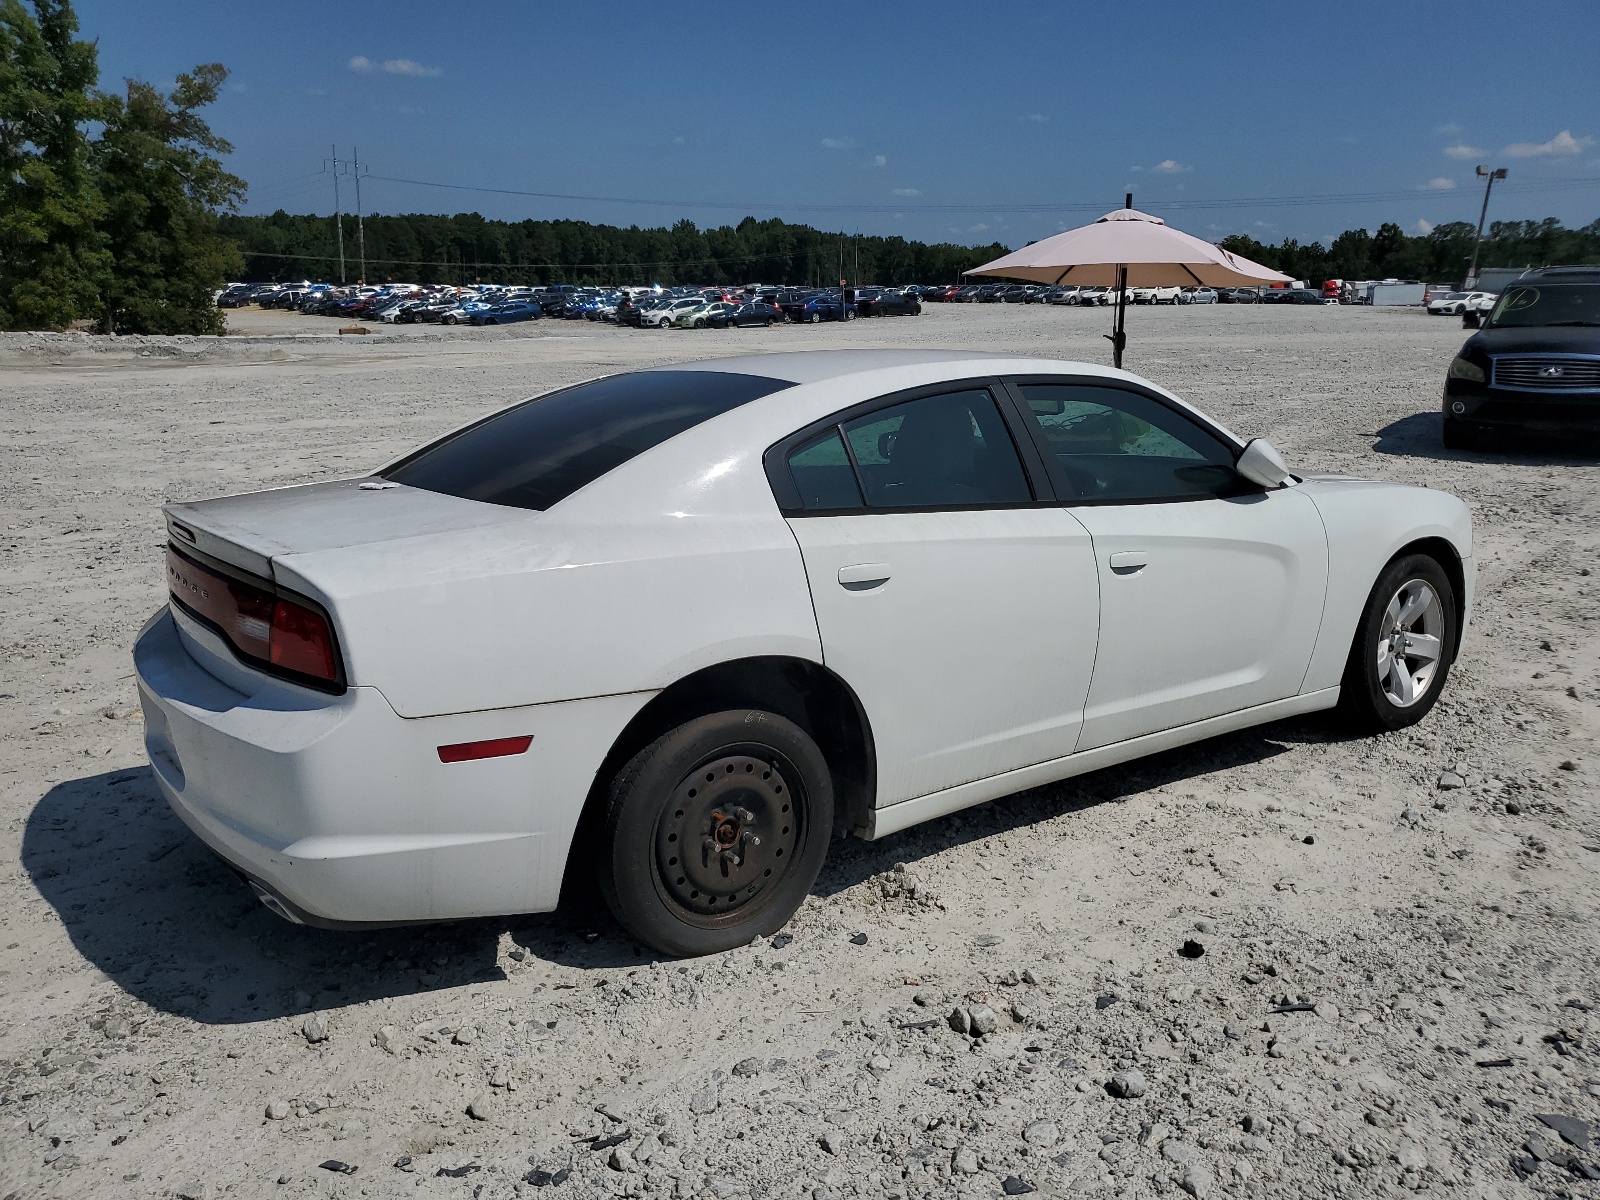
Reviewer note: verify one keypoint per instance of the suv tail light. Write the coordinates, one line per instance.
(273, 630)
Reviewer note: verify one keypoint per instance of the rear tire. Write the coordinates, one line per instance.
(1403, 648)
(714, 833)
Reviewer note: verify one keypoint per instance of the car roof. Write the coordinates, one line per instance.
(818, 366)
(1573, 274)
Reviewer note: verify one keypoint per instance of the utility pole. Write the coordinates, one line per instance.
(1489, 176)
(361, 229)
(330, 166)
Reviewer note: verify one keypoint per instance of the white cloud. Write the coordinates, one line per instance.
(1036, 118)
(978, 228)
(908, 191)
(1423, 226)
(1461, 150)
(838, 143)
(405, 66)
(1169, 166)
(393, 66)
(1440, 184)
(1562, 144)
(879, 160)
(1447, 130)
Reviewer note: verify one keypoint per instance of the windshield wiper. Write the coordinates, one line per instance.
(1569, 324)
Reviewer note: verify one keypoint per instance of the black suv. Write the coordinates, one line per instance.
(1534, 366)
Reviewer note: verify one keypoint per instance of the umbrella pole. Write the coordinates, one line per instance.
(1117, 337)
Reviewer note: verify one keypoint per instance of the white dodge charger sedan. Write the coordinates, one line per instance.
(678, 627)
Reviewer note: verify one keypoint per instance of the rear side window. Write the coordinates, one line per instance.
(823, 474)
(541, 451)
(943, 451)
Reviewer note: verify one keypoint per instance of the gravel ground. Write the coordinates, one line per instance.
(1283, 963)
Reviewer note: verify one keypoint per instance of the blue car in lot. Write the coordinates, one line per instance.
(825, 307)
(504, 314)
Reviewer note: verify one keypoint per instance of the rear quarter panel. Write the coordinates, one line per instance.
(670, 566)
(1368, 523)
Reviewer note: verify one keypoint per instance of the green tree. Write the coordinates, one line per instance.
(52, 259)
(163, 186)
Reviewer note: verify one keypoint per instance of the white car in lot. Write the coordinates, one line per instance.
(1455, 303)
(678, 626)
(662, 315)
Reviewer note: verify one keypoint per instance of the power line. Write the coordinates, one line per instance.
(1177, 204)
(561, 266)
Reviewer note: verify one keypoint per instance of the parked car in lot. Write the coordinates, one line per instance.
(1238, 295)
(824, 306)
(1197, 295)
(1455, 303)
(346, 699)
(711, 313)
(1534, 366)
(756, 313)
(506, 314)
(661, 315)
(1293, 296)
(886, 302)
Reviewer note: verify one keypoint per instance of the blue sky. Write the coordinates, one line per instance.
(968, 122)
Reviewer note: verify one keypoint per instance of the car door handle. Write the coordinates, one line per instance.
(1128, 563)
(862, 577)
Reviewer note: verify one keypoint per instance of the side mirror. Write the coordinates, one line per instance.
(1261, 464)
(1470, 319)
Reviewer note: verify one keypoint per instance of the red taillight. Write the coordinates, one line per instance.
(302, 642)
(280, 634)
(493, 748)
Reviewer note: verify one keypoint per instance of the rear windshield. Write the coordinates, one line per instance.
(541, 451)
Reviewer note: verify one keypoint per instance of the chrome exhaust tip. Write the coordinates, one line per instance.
(274, 904)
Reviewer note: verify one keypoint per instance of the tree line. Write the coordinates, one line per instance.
(1438, 256)
(468, 248)
(108, 202)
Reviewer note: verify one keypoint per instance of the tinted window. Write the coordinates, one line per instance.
(541, 451)
(1116, 445)
(948, 450)
(823, 475)
(1548, 304)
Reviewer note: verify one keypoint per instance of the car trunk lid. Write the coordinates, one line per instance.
(250, 531)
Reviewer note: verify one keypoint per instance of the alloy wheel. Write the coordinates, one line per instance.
(1410, 643)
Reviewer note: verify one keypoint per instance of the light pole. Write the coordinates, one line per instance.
(1489, 176)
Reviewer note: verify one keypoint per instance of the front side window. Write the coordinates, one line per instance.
(1113, 445)
(541, 451)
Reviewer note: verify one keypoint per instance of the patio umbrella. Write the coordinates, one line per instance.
(1127, 247)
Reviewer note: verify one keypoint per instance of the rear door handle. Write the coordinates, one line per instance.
(862, 577)
(1128, 563)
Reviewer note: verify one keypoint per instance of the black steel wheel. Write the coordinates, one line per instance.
(716, 831)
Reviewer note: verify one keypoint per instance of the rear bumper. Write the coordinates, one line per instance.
(343, 810)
